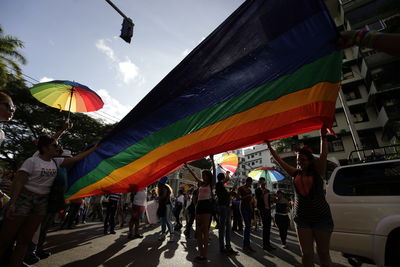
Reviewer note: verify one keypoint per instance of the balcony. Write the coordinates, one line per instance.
(362, 12)
(348, 5)
(375, 59)
(366, 125)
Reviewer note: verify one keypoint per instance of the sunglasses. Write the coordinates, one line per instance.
(10, 107)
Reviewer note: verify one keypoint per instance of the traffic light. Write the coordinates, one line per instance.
(127, 30)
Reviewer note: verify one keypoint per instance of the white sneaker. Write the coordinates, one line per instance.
(162, 237)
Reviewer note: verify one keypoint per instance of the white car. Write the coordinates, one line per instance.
(365, 204)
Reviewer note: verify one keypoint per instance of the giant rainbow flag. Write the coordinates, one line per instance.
(268, 71)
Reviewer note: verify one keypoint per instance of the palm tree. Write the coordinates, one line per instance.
(10, 58)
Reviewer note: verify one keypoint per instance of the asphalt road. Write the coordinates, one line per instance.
(86, 245)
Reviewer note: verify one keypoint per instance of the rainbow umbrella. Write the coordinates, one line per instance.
(270, 174)
(68, 96)
(229, 162)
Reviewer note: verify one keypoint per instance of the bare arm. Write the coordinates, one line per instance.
(388, 43)
(322, 161)
(79, 157)
(65, 127)
(18, 183)
(289, 169)
(214, 178)
(227, 177)
(192, 173)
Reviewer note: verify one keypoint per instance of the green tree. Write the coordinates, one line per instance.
(286, 144)
(33, 119)
(10, 58)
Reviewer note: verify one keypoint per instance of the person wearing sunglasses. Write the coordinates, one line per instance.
(29, 197)
(7, 110)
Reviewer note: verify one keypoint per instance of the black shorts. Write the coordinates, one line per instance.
(204, 207)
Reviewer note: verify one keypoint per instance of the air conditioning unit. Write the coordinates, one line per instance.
(376, 26)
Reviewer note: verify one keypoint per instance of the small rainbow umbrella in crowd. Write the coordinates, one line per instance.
(228, 162)
(270, 174)
(68, 96)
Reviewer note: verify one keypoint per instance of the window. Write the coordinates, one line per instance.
(252, 156)
(336, 145)
(347, 72)
(359, 116)
(351, 93)
(376, 26)
(252, 163)
(369, 180)
(368, 140)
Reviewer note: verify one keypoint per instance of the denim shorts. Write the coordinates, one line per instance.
(323, 226)
(29, 203)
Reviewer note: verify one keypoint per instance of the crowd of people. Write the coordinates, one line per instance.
(30, 199)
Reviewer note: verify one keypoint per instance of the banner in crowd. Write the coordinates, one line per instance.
(268, 71)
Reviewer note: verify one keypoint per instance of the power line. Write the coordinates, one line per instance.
(109, 115)
(23, 74)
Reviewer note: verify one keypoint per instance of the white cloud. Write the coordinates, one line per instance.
(127, 70)
(113, 110)
(186, 52)
(103, 47)
(45, 79)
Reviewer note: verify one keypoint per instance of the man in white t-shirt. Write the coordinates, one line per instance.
(139, 203)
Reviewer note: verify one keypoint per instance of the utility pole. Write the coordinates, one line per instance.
(353, 131)
(127, 24)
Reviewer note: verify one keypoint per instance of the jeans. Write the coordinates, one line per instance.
(177, 213)
(224, 230)
(190, 220)
(246, 214)
(237, 219)
(283, 222)
(97, 211)
(166, 221)
(266, 221)
(110, 216)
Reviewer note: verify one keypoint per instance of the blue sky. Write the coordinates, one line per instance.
(79, 40)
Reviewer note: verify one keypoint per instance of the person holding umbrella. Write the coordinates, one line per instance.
(28, 204)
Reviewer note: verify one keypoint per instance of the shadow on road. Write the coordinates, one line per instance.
(78, 238)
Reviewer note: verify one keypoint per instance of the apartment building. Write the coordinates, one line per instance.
(371, 81)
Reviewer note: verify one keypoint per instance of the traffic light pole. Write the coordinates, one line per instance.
(127, 24)
(117, 9)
